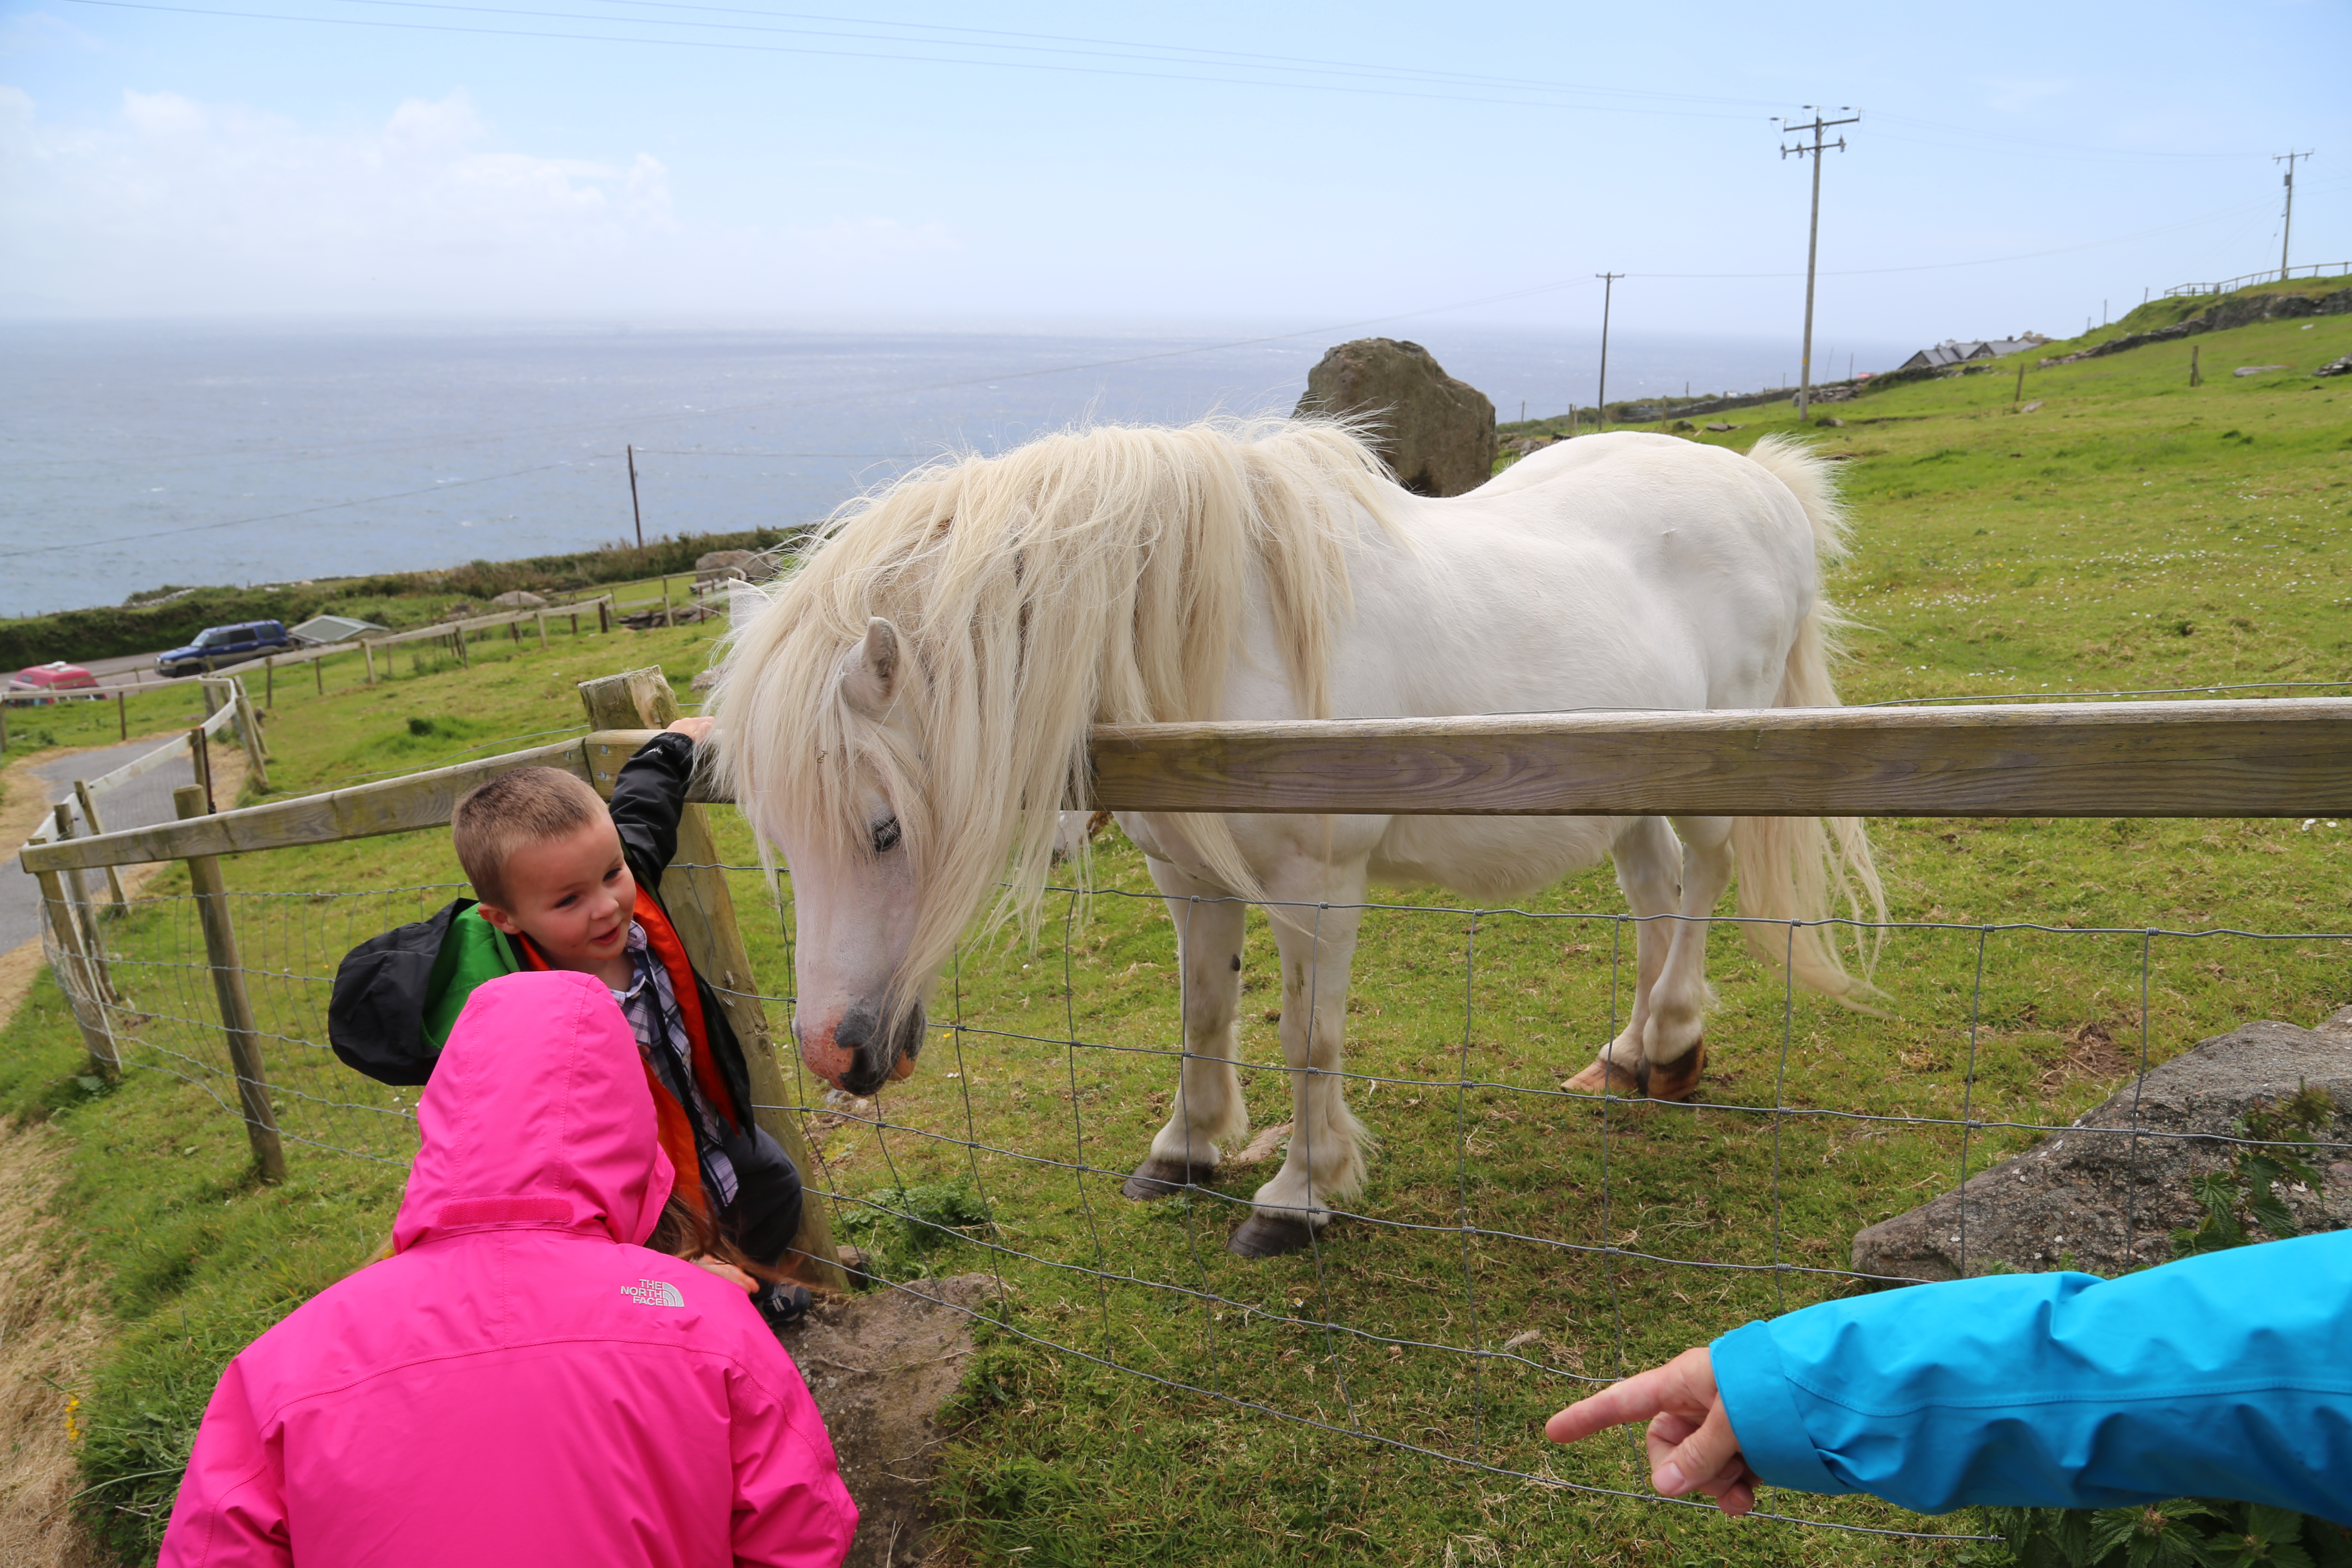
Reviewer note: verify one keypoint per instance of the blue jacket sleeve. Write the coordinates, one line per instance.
(2226, 1375)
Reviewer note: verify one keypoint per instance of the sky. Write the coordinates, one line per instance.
(1246, 165)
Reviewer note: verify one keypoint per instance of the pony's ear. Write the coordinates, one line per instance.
(869, 675)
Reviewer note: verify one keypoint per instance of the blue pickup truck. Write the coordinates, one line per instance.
(217, 647)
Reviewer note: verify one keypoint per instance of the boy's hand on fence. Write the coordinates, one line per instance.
(1692, 1445)
(727, 1272)
(696, 728)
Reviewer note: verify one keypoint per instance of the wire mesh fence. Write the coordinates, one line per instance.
(1517, 1242)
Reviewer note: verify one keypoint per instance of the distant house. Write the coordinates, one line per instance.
(1951, 351)
(334, 629)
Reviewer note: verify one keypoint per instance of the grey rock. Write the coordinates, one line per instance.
(2336, 367)
(880, 1366)
(2103, 1199)
(1436, 433)
(519, 599)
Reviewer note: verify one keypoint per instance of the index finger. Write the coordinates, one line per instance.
(1638, 1398)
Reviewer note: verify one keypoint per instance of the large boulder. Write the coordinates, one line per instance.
(2070, 1201)
(1437, 433)
(519, 599)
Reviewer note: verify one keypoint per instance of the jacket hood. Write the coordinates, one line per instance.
(536, 1115)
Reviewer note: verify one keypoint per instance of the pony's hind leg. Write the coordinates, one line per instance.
(1646, 858)
(1671, 1038)
(1326, 1158)
(1209, 1109)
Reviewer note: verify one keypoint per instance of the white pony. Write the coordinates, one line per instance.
(908, 714)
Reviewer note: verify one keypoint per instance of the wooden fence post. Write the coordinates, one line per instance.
(604, 614)
(368, 648)
(89, 814)
(248, 730)
(122, 714)
(77, 910)
(81, 992)
(694, 894)
(200, 758)
(541, 619)
(270, 681)
(319, 673)
(235, 1007)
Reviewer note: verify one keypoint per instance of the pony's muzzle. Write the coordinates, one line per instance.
(857, 1056)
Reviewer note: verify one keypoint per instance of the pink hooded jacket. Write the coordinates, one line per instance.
(522, 1382)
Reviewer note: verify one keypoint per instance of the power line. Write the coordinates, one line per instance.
(1812, 241)
(395, 445)
(842, 54)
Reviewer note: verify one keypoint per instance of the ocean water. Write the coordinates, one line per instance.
(133, 456)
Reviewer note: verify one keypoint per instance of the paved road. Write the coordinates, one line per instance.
(142, 803)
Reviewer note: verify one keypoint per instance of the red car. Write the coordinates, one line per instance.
(53, 682)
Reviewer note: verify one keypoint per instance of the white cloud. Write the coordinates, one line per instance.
(180, 206)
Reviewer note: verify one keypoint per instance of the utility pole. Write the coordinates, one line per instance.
(632, 498)
(1600, 414)
(2286, 226)
(1813, 234)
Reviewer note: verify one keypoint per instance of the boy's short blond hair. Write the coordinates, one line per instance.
(529, 805)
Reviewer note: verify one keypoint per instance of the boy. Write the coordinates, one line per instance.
(563, 882)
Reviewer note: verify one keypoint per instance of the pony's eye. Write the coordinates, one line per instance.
(886, 836)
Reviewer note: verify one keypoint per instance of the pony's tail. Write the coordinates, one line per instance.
(1810, 868)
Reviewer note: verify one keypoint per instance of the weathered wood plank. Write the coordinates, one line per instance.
(2283, 757)
(363, 811)
(138, 767)
(2291, 757)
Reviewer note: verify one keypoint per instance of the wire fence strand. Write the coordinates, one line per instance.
(1606, 1228)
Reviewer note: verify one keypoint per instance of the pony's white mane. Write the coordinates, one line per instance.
(1093, 576)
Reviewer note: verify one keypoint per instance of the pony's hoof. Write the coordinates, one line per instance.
(1271, 1236)
(1604, 1077)
(1158, 1178)
(1678, 1079)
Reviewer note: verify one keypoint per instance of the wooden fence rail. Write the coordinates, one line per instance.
(2283, 757)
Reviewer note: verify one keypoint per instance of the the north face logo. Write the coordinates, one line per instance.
(653, 1293)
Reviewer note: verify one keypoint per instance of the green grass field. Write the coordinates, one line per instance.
(2131, 533)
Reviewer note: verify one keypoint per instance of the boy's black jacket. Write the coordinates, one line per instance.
(375, 1018)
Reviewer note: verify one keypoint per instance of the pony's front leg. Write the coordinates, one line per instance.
(1645, 854)
(1326, 1159)
(1672, 1042)
(1209, 1109)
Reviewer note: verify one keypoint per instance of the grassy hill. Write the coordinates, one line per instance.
(2129, 533)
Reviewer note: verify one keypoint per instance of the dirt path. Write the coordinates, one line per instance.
(51, 1329)
(50, 1333)
(21, 963)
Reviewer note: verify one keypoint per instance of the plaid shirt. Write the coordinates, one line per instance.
(651, 1007)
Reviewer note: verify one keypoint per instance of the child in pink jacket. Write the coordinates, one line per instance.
(522, 1381)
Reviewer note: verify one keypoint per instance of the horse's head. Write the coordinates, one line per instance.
(854, 887)
(914, 769)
